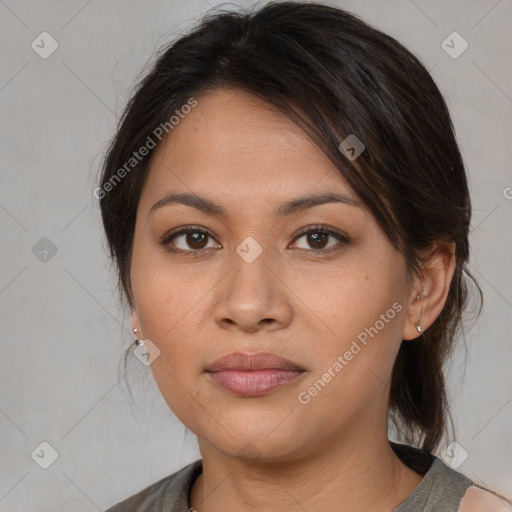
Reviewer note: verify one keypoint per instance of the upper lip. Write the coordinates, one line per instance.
(245, 361)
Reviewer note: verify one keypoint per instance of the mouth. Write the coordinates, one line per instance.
(253, 375)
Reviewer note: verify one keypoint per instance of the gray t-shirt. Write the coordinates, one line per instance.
(441, 489)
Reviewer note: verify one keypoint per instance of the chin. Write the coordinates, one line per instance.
(256, 446)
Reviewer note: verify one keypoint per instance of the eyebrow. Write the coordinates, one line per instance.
(293, 206)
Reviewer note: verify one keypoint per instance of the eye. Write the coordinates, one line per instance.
(194, 239)
(190, 239)
(317, 238)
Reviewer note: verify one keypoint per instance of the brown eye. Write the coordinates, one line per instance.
(317, 239)
(187, 240)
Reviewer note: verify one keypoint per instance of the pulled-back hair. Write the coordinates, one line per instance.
(335, 76)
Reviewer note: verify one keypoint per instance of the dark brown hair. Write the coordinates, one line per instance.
(334, 75)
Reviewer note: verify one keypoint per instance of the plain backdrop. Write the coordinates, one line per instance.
(62, 327)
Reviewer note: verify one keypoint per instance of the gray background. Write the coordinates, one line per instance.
(62, 328)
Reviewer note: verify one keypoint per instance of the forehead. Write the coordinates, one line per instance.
(239, 146)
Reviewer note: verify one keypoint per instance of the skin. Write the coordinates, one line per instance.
(478, 500)
(295, 300)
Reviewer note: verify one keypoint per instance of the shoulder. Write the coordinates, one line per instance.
(442, 488)
(168, 494)
(479, 500)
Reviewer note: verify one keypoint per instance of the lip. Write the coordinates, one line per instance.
(253, 375)
(245, 361)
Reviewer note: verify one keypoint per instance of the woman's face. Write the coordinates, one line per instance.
(333, 306)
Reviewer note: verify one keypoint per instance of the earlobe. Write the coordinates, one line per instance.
(414, 327)
(135, 321)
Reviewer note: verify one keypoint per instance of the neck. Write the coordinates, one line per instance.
(360, 473)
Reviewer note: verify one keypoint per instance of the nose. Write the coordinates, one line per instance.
(253, 296)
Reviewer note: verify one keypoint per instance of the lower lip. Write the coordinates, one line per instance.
(253, 383)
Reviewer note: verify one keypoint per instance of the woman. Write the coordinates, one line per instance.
(288, 211)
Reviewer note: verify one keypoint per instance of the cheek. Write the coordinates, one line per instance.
(165, 295)
(362, 306)
(351, 297)
(168, 304)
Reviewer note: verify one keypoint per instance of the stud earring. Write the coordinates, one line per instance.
(419, 329)
(137, 342)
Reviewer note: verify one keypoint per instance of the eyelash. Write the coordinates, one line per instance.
(314, 229)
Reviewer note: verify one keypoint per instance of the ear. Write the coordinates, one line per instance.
(430, 289)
